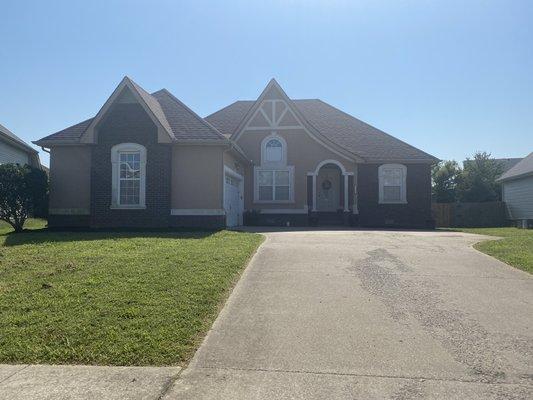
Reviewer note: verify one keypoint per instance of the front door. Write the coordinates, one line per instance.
(328, 189)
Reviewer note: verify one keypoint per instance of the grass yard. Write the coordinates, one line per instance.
(113, 298)
(516, 247)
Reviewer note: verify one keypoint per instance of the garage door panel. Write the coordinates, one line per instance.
(232, 200)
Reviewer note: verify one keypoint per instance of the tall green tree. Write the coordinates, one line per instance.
(445, 176)
(22, 189)
(478, 179)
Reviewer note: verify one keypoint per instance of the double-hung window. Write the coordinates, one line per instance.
(273, 185)
(274, 178)
(392, 183)
(129, 175)
(129, 182)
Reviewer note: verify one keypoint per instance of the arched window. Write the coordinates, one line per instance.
(129, 175)
(392, 183)
(274, 151)
(273, 178)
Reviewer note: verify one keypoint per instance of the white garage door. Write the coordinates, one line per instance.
(232, 201)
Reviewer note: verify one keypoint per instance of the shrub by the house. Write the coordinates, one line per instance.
(23, 191)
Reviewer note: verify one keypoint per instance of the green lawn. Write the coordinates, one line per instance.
(516, 247)
(113, 298)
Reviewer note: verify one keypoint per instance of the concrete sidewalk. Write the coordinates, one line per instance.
(70, 382)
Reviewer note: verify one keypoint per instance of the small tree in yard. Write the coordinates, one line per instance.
(445, 176)
(478, 179)
(22, 189)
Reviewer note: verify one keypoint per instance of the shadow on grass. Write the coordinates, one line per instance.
(45, 235)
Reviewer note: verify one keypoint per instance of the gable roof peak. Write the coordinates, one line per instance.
(523, 168)
(127, 79)
(274, 82)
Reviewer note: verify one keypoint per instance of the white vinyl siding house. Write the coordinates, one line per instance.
(517, 191)
(11, 154)
(13, 150)
(518, 196)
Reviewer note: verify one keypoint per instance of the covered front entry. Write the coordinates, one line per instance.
(330, 193)
(233, 197)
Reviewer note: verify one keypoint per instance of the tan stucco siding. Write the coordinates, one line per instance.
(197, 177)
(303, 152)
(70, 179)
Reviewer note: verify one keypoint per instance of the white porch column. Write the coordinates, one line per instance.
(346, 208)
(314, 192)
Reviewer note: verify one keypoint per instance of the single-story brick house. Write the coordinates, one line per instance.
(147, 160)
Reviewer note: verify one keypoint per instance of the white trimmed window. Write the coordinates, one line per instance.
(274, 151)
(274, 185)
(129, 175)
(392, 183)
(273, 180)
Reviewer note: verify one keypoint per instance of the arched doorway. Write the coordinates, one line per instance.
(328, 188)
(329, 184)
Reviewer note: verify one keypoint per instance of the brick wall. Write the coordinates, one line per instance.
(416, 213)
(129, 123)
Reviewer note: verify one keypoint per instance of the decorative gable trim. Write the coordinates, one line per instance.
(164, 133)
(262, 106)
(270, 116)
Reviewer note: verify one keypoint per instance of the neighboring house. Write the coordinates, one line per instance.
(147, 160)
(14, 150)
(517, 191)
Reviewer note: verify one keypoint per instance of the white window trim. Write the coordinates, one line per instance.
(403, 187)
(289, 169)
(115, 170)
(283, 161)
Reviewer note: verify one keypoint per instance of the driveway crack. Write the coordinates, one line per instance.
(14, 373)
(384, 376)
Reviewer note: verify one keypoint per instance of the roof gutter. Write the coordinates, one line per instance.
(233, 146)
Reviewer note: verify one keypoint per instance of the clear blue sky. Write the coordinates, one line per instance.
(450, 77)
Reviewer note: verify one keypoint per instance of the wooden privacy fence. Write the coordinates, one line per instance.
(443, 214)
(469, 215)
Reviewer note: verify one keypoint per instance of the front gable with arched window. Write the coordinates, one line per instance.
(273, 178)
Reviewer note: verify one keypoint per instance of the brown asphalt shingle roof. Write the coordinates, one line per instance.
(70, 134)
(346, 131)
(179, 120)
(184, 123)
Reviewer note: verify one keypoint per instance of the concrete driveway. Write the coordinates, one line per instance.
(369, 315)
